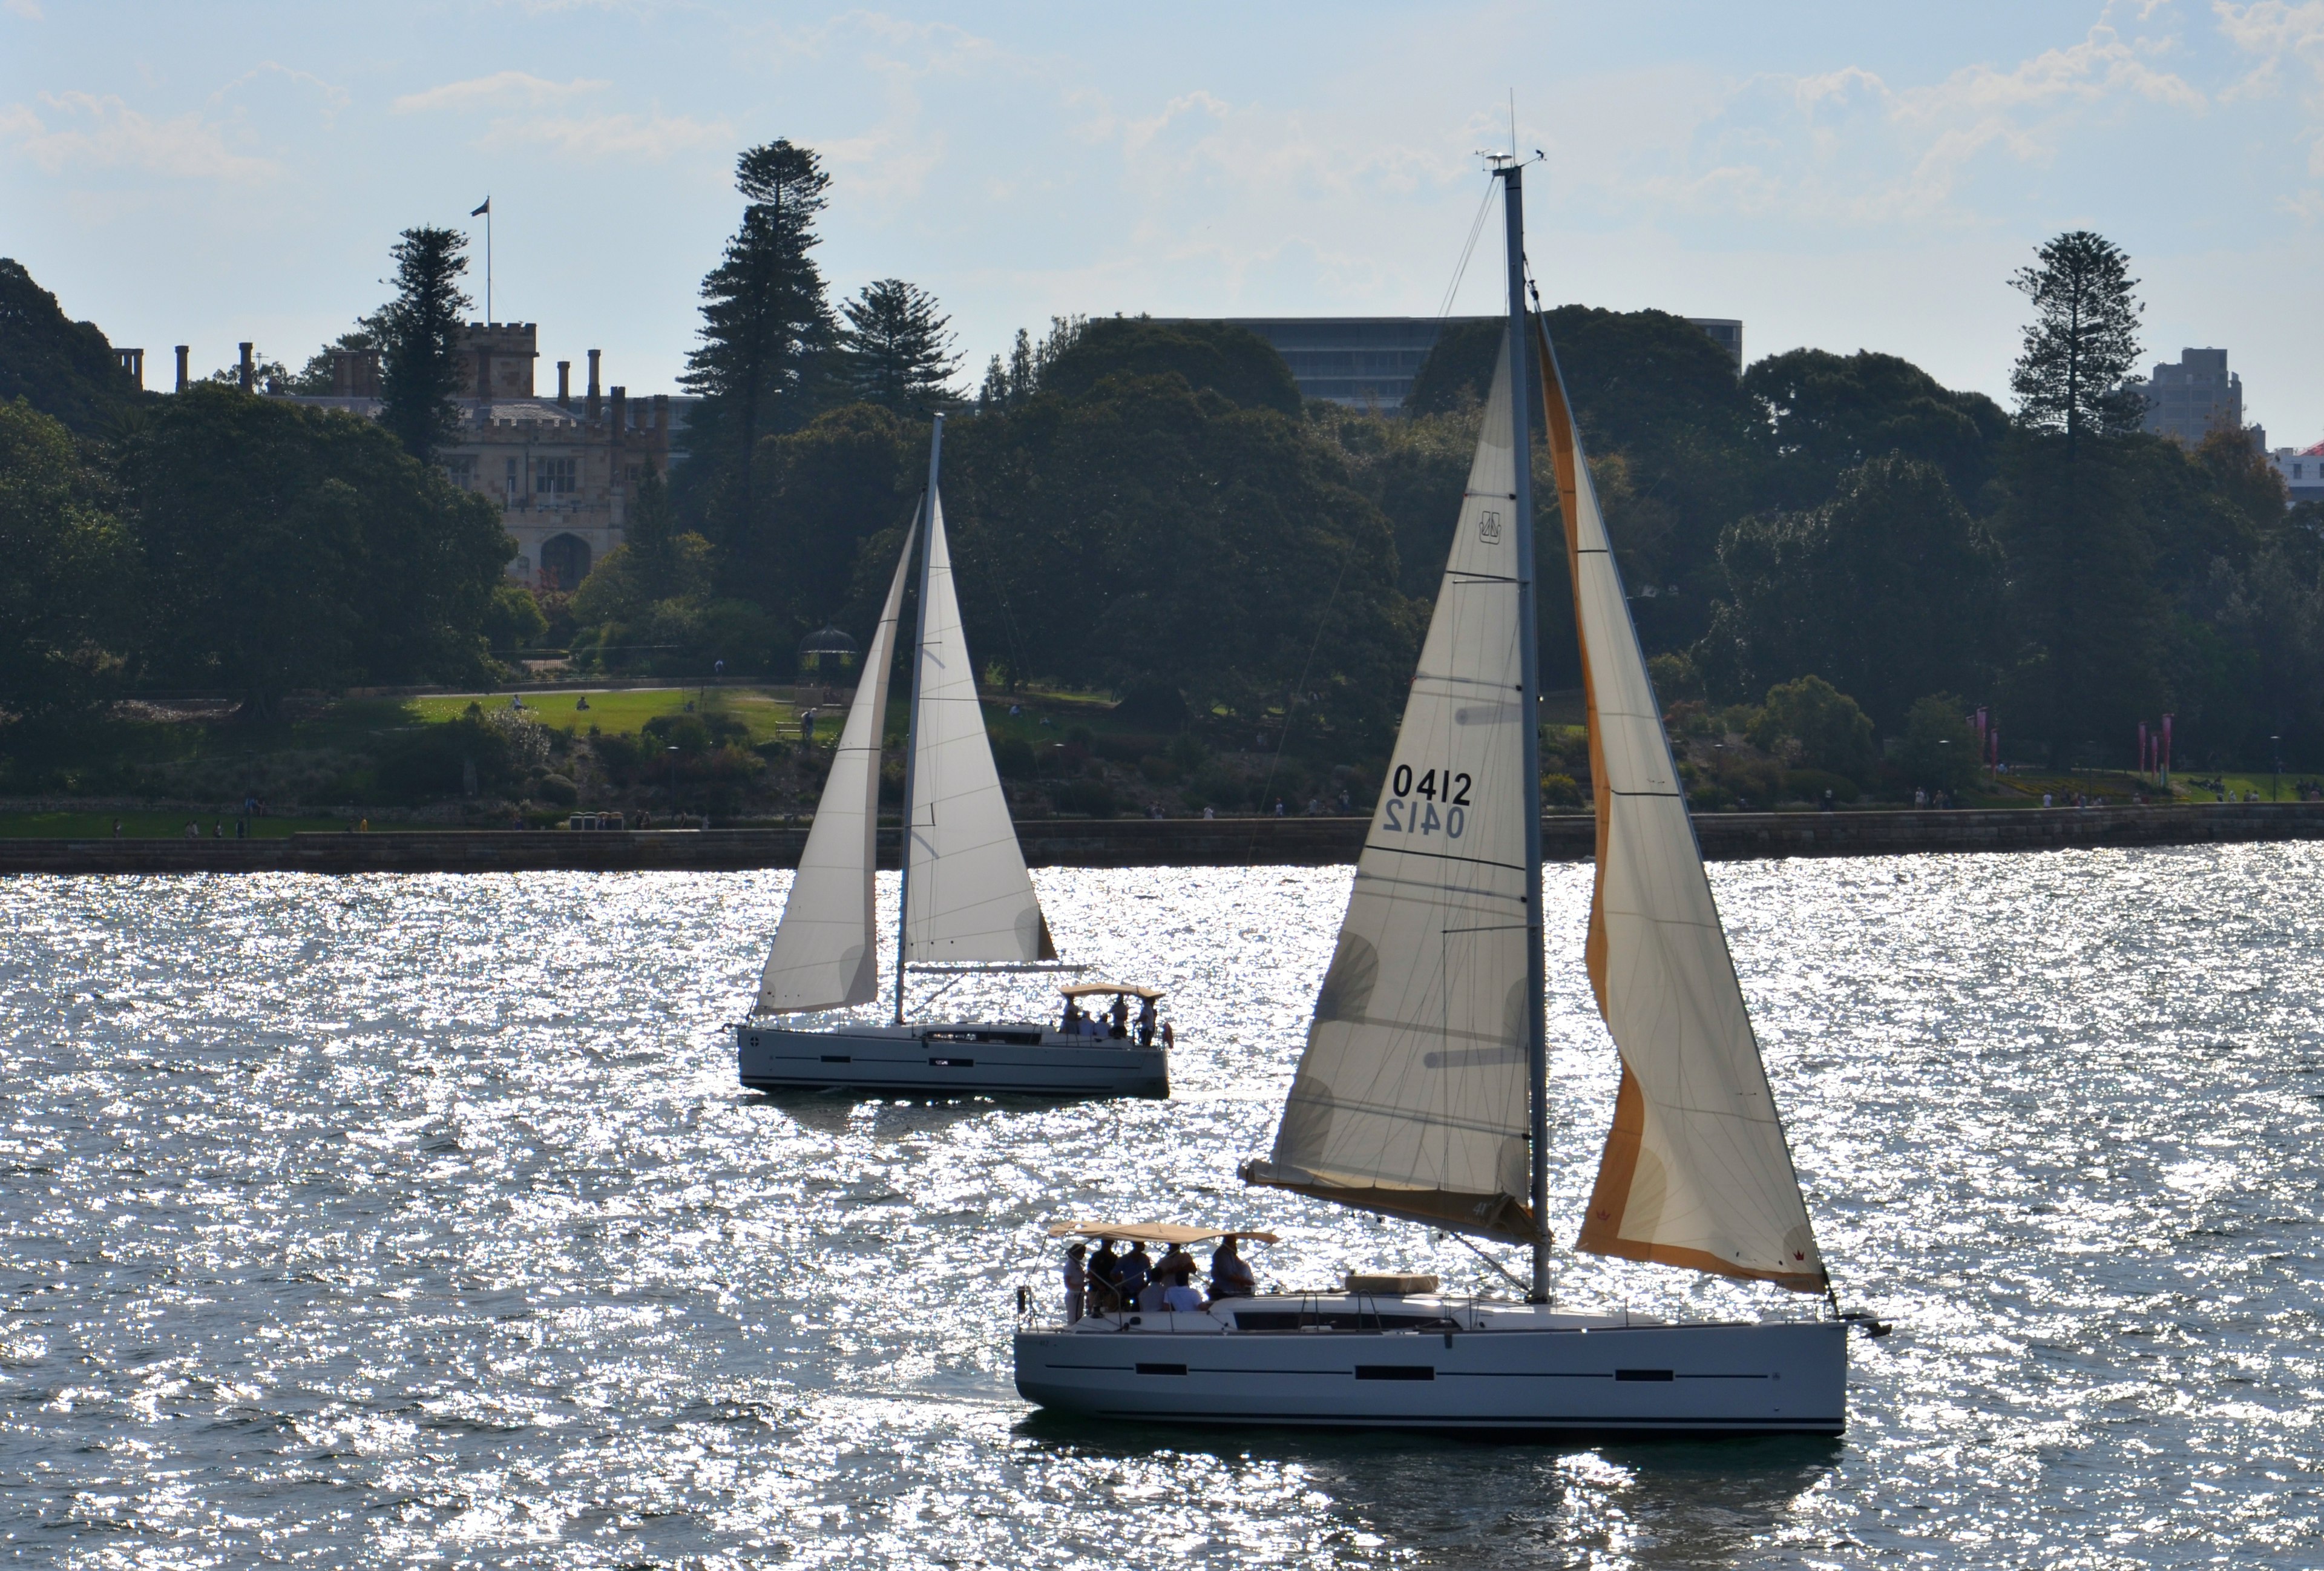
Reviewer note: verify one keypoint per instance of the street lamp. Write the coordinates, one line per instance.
(2275, 791)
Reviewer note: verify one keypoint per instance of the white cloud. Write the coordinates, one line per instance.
(651, 137)
(104, 133)
(24, 8)
(502, 89)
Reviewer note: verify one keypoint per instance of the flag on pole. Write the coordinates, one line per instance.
(480, 211)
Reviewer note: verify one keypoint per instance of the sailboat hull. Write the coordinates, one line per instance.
(1442, 1366)
(952, 1058)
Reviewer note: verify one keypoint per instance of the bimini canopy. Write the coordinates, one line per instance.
(1152, 1232)
(1111, 990)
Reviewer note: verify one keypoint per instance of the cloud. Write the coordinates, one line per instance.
(24, 8)
(104, 133)
(502, 89)
(642, 136)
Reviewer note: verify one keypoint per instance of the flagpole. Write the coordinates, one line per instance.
(486, 207)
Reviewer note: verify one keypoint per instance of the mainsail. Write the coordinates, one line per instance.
(967, 895)
(1696, 1172)
(826, 951)
(1411, 1097)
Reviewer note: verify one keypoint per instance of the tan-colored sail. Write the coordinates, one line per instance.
(1696, 1172)
(827, 951)
(1410, 1098)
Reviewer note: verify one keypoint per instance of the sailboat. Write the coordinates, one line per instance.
(1422, 1093)
(967, 901)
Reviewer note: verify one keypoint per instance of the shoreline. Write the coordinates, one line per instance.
(1166, 842)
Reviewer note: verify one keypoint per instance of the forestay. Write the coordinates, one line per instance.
(968, 897)
(826, 949)
(1696, 1172)
(1411, 1096)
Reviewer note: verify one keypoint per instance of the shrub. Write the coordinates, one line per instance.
(1819, 724)
(1013, 757)
(1559, 790)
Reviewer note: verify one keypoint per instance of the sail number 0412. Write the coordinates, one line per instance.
(1441, 806)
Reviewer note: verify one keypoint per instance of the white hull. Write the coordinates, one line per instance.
(1454, 1365)
(959, 1057)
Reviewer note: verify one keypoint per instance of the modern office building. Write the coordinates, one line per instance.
(1370, 362)
(2189, 399)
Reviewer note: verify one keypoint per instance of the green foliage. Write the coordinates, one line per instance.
(440, 760)
(1007, 385)
(65, 563)
(767, 329)
(818, 494)
(2082, 343)
(1675, 680)
(1826, 414)
(1940, 746)
(513, 619)
(1013, 757)
(896, 349)
(1887, 591)
(419, 333)
(315, 377)
(1232, 362)
(295, 548)
(1811, 721)
(65, 369)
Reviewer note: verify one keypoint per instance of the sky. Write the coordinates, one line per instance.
(1840, 176)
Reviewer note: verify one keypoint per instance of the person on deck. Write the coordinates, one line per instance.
(1230, 1275)
(1120, 1018)
(1135, 1272)
(1180, 1296)
(1104, 1274)
(1146, 1017)
(1076, 1282)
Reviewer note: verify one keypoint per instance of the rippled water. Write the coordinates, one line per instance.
(402, 1220)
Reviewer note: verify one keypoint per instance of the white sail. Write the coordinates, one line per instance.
(826, 949)
(1696, 1172)
(968, 896)
(1411, 1097)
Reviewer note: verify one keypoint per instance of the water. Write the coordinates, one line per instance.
(394, 1220)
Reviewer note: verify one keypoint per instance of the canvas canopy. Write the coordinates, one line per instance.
(1111, 990)
(1152, 1232)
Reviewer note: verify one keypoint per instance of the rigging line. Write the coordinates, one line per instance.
(1466, 1242)
(1461, 271)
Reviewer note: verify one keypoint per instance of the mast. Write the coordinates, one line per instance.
(912, 723)
(1512, 176)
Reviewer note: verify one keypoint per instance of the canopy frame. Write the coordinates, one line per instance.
(1170, 1233)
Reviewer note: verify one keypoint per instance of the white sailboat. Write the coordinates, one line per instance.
(1422, 1091)
(967, 900)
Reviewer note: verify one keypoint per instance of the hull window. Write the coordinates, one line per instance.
(1394, 1371)
(837, 1059)
(1161, 1369)
(1644, 1374)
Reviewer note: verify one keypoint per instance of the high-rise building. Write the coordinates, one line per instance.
(2186, 400)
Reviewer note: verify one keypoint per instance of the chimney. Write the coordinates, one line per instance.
(183, 350)
(565, 384)
(593, 384)
(249, 371)
(621, 414)
(133, 361)
(661, 412)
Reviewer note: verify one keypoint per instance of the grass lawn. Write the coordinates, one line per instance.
(144, 826)
(623, 711)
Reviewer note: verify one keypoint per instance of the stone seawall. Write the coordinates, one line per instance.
(1166, 842)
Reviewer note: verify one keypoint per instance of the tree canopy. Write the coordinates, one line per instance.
(418, 335)
(1232, 362)
(66, 369)
(896, 349)
(2082, 342)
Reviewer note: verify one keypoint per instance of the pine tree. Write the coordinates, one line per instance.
(2082, 342)
(420, 340)
(766, 331)
(897, 347)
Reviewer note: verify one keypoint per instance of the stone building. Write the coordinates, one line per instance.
(2303, 469)
(565, 470)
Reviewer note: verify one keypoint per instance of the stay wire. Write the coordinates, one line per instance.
(1476, 228)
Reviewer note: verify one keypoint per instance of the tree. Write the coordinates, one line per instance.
(65, 368)
(897, 348)
(1825, 414)
(1820, 725)
(1888, 590)
(1233, 362)
(819, 492)
(315, 377)
(294, 548)
(766, 332)
(64, 569)
(2082, 342)
(1940, 746)
(418, 335)
(1006, 386)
